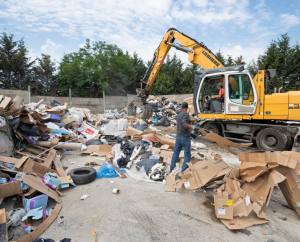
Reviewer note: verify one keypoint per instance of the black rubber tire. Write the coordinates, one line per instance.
(289, 143)
(83, 175)
(271, 139)
(147, 112)
(213, 127)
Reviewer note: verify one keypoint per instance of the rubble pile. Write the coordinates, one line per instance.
(32, 176)
(243, 194)
(37, 135)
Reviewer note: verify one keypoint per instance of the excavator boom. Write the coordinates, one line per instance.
(197, 52)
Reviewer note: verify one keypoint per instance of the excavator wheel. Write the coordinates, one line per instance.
(271, 139)
(213, 127)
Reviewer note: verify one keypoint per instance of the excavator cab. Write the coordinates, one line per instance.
(225, 91)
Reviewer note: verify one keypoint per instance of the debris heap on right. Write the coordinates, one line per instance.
(244, 194)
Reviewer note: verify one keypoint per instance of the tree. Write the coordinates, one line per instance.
(283, 57)
(239, 60)
(45, 76)
(15, 66)
(99, 66)
(174, 78)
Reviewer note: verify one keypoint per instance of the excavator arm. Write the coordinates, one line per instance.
(197, 52)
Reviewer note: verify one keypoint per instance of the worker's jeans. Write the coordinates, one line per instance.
(185, 144)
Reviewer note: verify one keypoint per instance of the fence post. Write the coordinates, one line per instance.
(70, 96)
(104, 104)
(29, 94)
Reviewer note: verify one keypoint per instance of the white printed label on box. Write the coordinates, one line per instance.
(221, 211)
(247, 200)
(187, 184)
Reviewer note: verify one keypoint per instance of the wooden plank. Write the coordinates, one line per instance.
(49, 159)
(59, 167)
(5, 102)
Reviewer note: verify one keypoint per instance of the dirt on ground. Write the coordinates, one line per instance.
(143, 211)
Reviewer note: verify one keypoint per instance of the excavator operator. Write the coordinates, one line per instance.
(216, 101)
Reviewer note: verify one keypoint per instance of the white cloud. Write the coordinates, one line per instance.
(53, 49)
(249, 53)
(289, 20)
(138, 26)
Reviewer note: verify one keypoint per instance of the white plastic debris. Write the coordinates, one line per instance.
(85, 196)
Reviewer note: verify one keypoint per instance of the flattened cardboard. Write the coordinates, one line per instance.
(101, 150)
(223, 142)
(37, 184)
(204, 171)
(260, 190)
(50, 157)
(3, 226)
(10, 189)
(43, 226)
(243, 223)
(59, 167)
(17, 162)
(33, 167)
(290, 188)
(165, 140)
(170, 183)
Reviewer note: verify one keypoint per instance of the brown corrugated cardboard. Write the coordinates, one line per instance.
(43, 226)
(170, 183)
(290, 188)
(37, 184)
(3, 226)
(223, 142)
(10, 189)
(243, 223)
(203, 172)
(101, 150)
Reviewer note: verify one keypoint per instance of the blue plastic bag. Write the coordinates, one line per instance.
(106, 171)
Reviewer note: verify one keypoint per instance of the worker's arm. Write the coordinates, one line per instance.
(197, 52)
(186, 122)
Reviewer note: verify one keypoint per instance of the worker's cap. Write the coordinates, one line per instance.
(184, 105)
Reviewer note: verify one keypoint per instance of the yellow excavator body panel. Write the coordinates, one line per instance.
(294, 105)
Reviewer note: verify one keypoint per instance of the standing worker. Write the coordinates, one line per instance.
(183, 138)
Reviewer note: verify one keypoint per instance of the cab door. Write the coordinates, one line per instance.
(240, 97)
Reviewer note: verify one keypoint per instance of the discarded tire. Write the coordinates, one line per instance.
(83, 175)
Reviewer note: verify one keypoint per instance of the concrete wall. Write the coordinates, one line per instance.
(96, 105)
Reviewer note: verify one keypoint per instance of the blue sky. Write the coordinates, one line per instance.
(236, 27)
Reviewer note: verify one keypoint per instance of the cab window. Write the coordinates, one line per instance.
(240, 89)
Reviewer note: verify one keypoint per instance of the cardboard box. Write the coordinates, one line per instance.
(290, 188)
(35, 202)
(10, 189)
(3, 226)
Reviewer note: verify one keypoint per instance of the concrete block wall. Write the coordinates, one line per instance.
(96, 105)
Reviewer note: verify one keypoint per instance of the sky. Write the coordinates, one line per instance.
(235, 27)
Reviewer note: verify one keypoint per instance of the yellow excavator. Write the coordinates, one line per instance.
(228, 101)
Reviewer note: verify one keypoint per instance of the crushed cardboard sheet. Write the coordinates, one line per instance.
(3, 226)
(198, 174)
(101, 150)
(221, 141)
(242, 197)
(43, 226)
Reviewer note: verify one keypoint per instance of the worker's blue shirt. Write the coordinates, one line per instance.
(183, 119)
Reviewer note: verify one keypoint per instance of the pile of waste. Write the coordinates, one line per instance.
(242, 195)
(34, 137)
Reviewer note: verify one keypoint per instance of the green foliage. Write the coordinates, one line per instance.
(99, 66)
(15, 67)
(45, 76)
(283, 57)
(174, 77)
